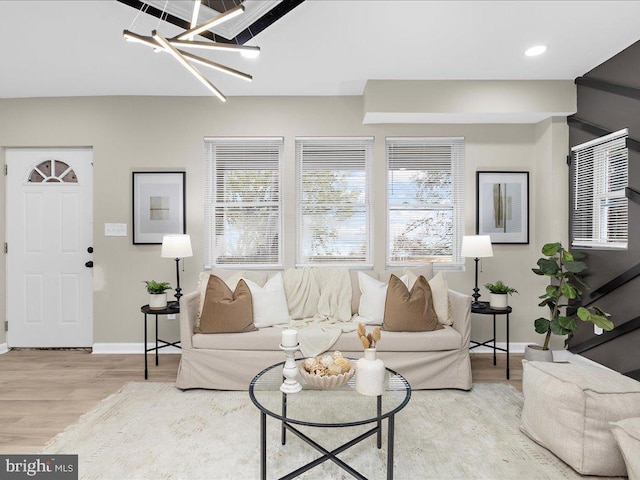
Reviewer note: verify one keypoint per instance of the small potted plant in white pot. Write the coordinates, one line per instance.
(157, 294)
(498, 299)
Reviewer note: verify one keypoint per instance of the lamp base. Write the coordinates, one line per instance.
(476, 290)
(478, 305)
(178, 295)
(178, 289)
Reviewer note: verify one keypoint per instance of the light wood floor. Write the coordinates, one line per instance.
(44, 391)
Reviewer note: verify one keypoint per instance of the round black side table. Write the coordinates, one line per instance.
(171, 309)
(485, 309)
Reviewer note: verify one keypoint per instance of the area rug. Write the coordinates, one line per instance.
(156, 431)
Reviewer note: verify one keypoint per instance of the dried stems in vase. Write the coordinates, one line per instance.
(368, 340)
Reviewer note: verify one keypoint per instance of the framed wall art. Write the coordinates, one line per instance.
(158, 206)
(502, 206)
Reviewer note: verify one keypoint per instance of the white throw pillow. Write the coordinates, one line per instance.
(269, 302)
(440, 292)
(374, 297)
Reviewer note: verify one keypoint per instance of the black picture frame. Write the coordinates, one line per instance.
(502, 206)
(158, 206)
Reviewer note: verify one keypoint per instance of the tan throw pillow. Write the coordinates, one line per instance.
(440, 292)
(231, 279)
(409, 311)
(225, 311)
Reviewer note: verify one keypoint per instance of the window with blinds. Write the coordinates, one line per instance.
(243, 225)
(599, 216)
(333, 192)
(425, 200)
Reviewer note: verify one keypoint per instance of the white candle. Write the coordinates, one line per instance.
(289, 338)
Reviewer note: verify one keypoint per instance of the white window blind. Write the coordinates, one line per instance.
(243, 224)
(333, 192)
(599, 216)
(425, 200)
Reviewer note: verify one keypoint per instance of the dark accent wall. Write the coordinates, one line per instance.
(609, 98)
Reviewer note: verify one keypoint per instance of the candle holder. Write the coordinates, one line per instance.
(290, 370)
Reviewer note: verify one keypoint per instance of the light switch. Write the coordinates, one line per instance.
(115, 229)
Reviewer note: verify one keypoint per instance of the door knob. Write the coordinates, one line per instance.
(89, 264)
(90, 249)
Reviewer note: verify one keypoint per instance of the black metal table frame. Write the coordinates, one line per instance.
(148, 311)
(491, 343)
(288, 424)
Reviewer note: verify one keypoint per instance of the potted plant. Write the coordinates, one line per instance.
(564, 270)
(499, 294)
(157, 294)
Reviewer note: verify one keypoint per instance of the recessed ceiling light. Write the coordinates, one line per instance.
(537, 50)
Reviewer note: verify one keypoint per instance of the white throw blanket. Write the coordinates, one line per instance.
(319, 299)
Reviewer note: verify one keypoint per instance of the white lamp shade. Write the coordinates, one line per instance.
(176, 246)
(476, 246)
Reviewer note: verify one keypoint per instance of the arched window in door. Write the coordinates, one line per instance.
(53, 171)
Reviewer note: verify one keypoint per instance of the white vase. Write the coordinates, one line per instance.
(370, 374)
(498, 301)
(537, 354)
(157, 301)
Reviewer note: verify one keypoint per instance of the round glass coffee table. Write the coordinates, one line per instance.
(314, 407)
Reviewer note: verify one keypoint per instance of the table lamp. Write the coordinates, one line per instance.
(177, 247)
(476, 247)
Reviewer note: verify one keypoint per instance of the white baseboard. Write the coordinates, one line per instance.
(3, 348)
(129, 348)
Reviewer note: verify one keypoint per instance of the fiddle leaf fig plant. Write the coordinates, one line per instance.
(564, 269)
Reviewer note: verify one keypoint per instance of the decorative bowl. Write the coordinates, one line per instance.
(327, 381)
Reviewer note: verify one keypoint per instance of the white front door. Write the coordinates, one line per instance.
(49, 235)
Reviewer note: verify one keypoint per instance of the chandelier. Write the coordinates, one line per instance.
(173, 46)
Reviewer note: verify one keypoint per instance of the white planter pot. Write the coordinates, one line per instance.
(535, 353)
(498, 301)
(158, 301)
(370, 374)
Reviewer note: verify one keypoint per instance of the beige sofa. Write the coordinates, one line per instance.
(428, 360)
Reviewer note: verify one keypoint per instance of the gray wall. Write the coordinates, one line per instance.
(614, 112)
(156, 133)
